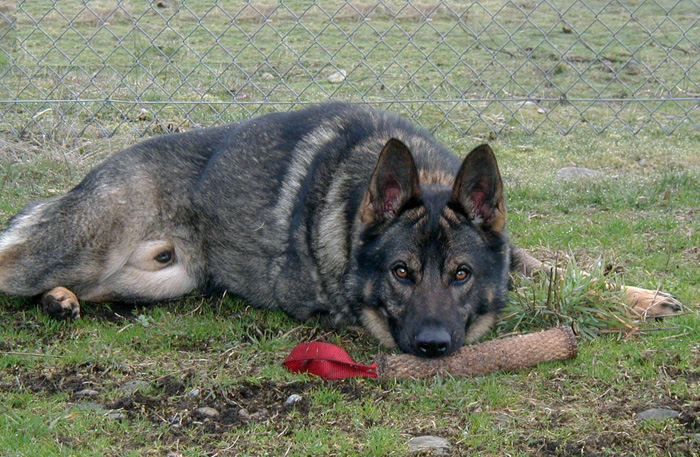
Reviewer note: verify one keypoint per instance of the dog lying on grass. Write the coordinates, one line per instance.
(337, 210)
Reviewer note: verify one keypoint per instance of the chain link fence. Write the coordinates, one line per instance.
(97, 68)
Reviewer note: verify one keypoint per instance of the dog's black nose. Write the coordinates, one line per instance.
(432, 341)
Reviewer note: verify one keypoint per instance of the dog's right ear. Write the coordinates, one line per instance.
(393, 184)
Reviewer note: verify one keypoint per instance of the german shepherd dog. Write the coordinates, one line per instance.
(337, 210)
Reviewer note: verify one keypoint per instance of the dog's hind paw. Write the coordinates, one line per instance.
(60, 303)
(648, 303)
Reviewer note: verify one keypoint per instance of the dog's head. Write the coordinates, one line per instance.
(432, 262)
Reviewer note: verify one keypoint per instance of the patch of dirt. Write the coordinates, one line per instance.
(619, 443)
(51, 381)
(6, 346)
(689, 410)
(170, 399)
(109, 312)
(17, 309)
(616, 410)
(235, 407)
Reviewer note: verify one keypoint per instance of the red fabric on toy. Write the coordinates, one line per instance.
(327, 361)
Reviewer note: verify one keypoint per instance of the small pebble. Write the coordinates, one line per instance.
(132, 387)
(87, 393)
(656, 414)
(292, 400)
(193, 393)
(244, 415)
(90, 405)
(577, 174)
(144, 115)
(439, 446)
(205, 412)
(338, 77)
(116, 415)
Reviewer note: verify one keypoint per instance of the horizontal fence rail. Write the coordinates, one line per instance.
(97, 68)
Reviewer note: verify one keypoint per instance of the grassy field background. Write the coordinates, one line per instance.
(142, 67)
(130, 381)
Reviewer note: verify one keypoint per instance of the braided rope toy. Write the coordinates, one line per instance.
(504, 354)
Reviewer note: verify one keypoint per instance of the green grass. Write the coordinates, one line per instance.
(640, 222)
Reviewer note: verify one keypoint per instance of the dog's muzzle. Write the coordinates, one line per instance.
(432, 341)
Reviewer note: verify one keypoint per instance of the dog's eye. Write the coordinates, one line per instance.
(164, 256)
(462, 274)
(401, 272)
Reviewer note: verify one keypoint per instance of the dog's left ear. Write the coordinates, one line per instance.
(394, 183)
(478, 190)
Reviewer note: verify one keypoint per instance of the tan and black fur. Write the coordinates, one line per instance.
(337, 210)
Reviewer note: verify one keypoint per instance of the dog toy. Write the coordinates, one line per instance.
(506, 354)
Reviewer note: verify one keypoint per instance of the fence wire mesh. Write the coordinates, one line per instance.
(100, 67)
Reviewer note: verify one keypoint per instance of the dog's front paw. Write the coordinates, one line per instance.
(60, 303)
(649, 303)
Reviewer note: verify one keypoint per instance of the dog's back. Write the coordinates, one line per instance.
(280, 201)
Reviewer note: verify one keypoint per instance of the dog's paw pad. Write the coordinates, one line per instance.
(649, 303)
(60, 303)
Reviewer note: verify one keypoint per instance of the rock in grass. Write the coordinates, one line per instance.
(292, 400)
(91, 406)
(205, 412)
(87, 393)
(439, 446)
(338, 77)
(246, 417)
(132, 387)
(656, 414)
(116, 416)
(577, 174)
